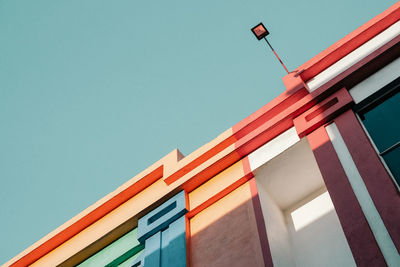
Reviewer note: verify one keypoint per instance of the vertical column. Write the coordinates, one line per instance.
(153, 250)
(355, 226)
(174, 253)
(163, 231)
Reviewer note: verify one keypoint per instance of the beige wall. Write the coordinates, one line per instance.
(225, 233)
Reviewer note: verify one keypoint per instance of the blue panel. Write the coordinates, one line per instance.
(159, 219)
(152, 251)
(163, 231)
(176, 249)
(164, 246)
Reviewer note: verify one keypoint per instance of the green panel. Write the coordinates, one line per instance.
(112, 251)
(134, 252)
(131, 260)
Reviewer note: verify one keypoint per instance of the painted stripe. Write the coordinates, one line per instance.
(378, 181)
(361, 240)
(219, 186)
(323, 112)
(379, 230)
(349, 43)
(376, 81)
(355, 56)
(273, 148)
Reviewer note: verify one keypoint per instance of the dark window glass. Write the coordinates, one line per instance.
(392, 159)
(383, 125)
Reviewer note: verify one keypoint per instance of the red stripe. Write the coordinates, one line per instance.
(391, 46)
(350, 42)
(219, 195)
(323, 112)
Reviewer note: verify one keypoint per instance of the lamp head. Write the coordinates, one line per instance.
(260, 31)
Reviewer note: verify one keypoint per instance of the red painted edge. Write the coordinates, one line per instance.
(350, 42)
(188, 236)
(268, 112)
(243, 128)
(357, 66)
(248, 174)
(262, 231)
(380, 185)
(273, 127)
(219, 195)
(210, 171)
(90, 218)
(355, 226)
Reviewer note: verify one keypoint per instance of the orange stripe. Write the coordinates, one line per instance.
(89, 219)
(219, 195)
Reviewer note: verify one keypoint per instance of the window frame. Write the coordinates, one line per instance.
(368, 104)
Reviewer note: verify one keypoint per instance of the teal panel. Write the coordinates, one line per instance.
(159, 218)
(163, 230)
(153, 251)
(164, 246)
(392, 159)
(174, 250)
(112, 251)
(384, 129)
(167, 248)
(382, 123)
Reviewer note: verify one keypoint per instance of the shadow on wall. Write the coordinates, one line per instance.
(226, 233)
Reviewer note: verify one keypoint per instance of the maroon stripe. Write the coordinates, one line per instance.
(355, 227)
(380, 185)
(262, 232)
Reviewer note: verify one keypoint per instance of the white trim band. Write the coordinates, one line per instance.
(354, 57)
(273, 148)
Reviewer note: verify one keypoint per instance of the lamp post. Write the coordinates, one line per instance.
(261, 33)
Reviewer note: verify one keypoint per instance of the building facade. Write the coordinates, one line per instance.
(310, 179)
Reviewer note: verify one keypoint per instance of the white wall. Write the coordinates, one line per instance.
(321, 242)
(277, 231)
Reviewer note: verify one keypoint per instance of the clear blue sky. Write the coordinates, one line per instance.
(93, 92)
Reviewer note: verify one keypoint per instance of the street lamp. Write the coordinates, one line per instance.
(261, 33)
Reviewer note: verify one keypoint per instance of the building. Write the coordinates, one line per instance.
(310, 179)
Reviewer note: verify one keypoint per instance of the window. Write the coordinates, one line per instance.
(380, 115)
